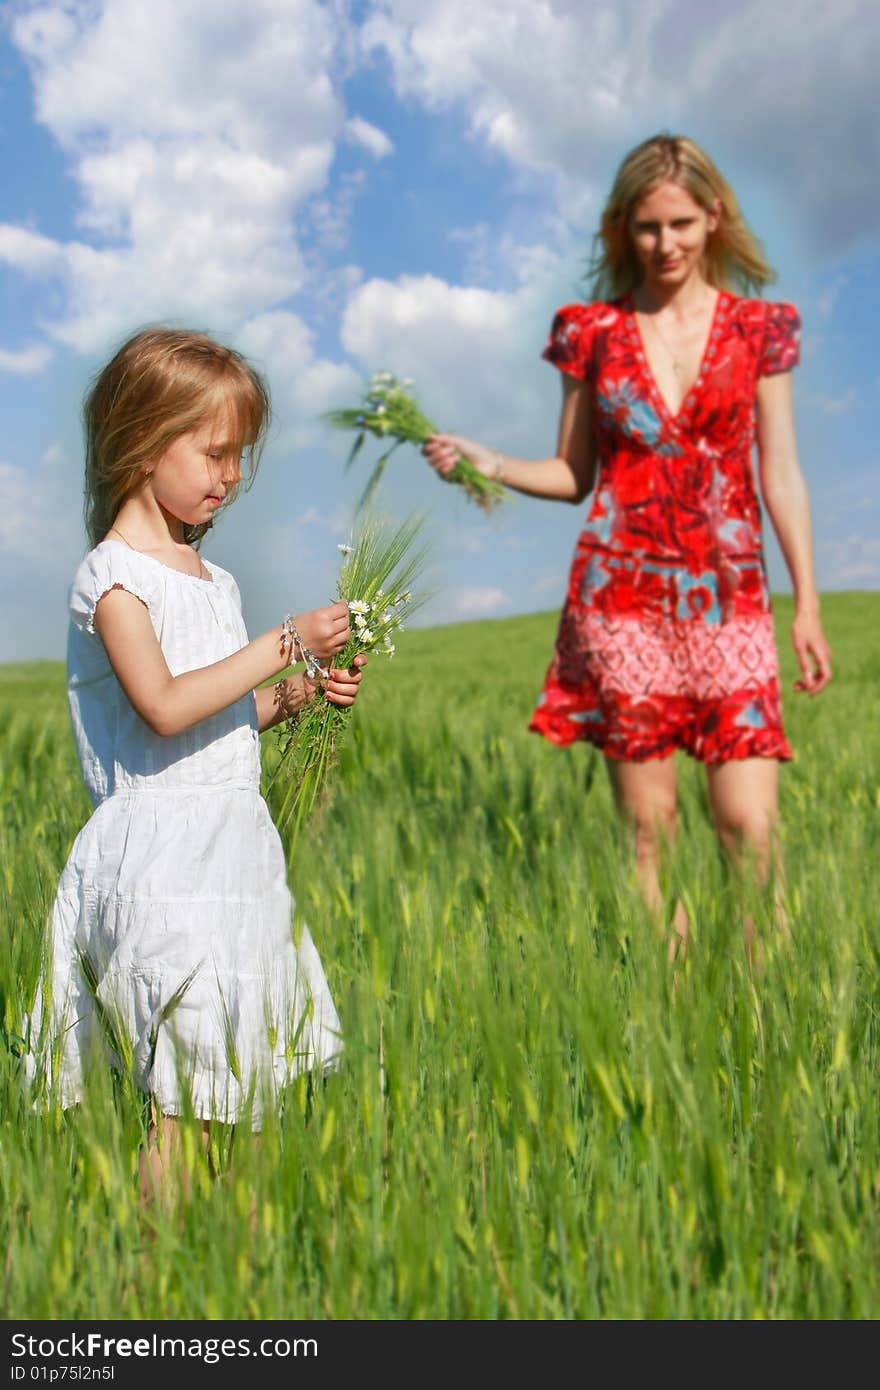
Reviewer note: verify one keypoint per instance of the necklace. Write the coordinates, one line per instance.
(202, 574)
(122, 536)
(677, 366)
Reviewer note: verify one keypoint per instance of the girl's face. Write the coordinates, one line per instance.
(669, 232)
(197, 470)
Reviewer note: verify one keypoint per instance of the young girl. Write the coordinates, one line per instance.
(666, 638)
(172, 922)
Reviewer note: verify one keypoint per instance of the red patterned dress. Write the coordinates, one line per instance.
(666, 638)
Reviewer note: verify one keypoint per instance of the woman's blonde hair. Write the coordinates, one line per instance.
(161, 384)
(733, 258)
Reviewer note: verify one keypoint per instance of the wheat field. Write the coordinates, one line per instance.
(536, 1116)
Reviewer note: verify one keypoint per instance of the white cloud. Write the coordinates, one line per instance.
(29, 251)
(478, 601)
(552, 582)
(834, 405)
(853, 562)
(464, 347)
(40, 508)
(195, 132)
(330, 217)
(827, 300)
(337, 523)
(610, 74)
(370, 137)
(283, 346)
(27, 361)
(256, 75)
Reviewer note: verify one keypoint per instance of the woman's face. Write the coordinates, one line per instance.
(669, 232)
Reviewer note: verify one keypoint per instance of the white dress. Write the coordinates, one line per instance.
(174, 898)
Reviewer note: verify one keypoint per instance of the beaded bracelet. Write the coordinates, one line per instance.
(290, 640)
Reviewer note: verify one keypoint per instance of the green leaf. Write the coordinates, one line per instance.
(355, 450)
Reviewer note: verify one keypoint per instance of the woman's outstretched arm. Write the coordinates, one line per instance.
(566, 477)
(786, 498)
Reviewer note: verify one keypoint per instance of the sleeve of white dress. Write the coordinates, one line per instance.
(111, 566)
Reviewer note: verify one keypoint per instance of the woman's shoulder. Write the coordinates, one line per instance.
(589, 315)
(774, 329)
(761, 313)
(574, 332)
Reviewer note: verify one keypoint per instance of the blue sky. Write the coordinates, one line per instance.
(342, 187)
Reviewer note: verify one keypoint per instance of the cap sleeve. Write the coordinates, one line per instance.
(111, 566)
(780, 350)
(570, 344)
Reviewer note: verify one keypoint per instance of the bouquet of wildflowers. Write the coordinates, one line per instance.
(389, 410)
(374, 580)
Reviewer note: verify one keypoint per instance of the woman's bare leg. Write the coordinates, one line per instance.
(646, 798)
(744, 798)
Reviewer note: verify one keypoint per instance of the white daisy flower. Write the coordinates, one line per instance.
(366, 635)
(357, 605)
(346, 549)
(390, 649)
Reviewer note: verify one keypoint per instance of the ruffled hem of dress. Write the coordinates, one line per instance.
(561, 731)
(204, 1104)
(200, 1094)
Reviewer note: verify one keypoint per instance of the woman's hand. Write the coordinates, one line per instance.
(567, 476)
(325, 631)
(442, 452)
(341, 687)
(812, 652)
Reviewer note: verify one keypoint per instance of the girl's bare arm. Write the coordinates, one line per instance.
(170, 704)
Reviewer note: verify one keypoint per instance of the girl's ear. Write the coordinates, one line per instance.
(714, 215)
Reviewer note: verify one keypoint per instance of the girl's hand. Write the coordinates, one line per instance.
(341, 687)
(325, 631)
(442, 452)
(812, 652)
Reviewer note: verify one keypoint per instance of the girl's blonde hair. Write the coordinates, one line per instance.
(733, 258)
(161, 384)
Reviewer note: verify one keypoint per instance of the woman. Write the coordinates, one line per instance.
(666, 638)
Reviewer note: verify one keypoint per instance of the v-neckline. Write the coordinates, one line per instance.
(687, 400)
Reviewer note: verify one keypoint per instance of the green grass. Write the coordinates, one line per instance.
(534, 1118)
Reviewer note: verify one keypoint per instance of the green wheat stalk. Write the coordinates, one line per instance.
(378, 568)
(389, 409)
